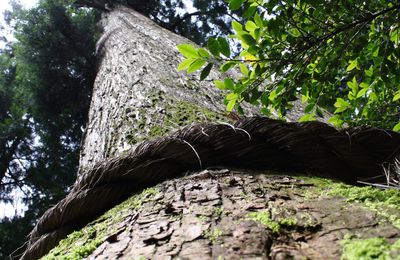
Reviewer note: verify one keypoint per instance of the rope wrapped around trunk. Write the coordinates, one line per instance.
(252, 143)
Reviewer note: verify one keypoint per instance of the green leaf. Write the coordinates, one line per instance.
(353, 85)
(295, 32)
(372, 97)
(309, 107)
(197, 64)
(304, 98)
(353, 64)
(336, 121)
(264, 99)
(364, 85)
(272, 95)
(340, 102)
(237, 27)
(206, 71)
(396, 96)
(250, 26)
(307, 117)
(239, 109)
(224, 47)
(341, 105)
(213, 46)
(395, 36)
(188, 50)
(369, 72)
(247, 39)
(310, 68)
(340, 110)
(250, 10)
(185, 64)
(203, 53)
(254, 50)
(362, 92)
(397, 127)
(265, 111)
(239, 88)
(375, 52)
(235, 4)
(227, 66)
(231, 105)
(258, 20)
(244, 69)
(229, 84)
(220, 84)
(232, 96)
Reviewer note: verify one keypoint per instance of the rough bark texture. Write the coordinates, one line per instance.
(223, 214)
(138, 94)
(235, 214)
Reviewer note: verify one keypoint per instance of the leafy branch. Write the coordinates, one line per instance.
(323, 53)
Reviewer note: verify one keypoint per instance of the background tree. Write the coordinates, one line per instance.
(195, 19)
(342, 56)
(47, 77)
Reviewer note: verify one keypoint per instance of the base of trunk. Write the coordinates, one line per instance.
(231, 214)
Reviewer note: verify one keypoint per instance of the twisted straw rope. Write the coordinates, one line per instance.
(252, 143)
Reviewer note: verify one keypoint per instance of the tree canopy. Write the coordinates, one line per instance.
(342, 56)
(45, 86)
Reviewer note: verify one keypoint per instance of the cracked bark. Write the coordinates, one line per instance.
(206, 216)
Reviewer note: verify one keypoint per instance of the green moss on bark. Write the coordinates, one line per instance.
(82, 243)
(371, 248)
(265, 218)
(172, 114)
(385, 203)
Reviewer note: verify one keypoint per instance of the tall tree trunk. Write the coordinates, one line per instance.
(138, 93)
(217, 213)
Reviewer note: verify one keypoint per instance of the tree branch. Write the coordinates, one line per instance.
(183, 18)
(366, 20)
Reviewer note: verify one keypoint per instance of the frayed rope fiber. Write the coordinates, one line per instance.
(252, 143)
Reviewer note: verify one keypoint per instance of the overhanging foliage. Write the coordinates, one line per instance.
(342, 56)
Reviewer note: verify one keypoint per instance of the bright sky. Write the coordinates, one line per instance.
(4, 5)
(17, 207)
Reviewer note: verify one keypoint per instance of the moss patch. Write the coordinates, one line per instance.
(264, 217)
(385, 203)
(82, 243)
(172, 114)
(371, 248)
(182, 113)
(214, 235)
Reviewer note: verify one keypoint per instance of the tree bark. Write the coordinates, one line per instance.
(138, 93)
